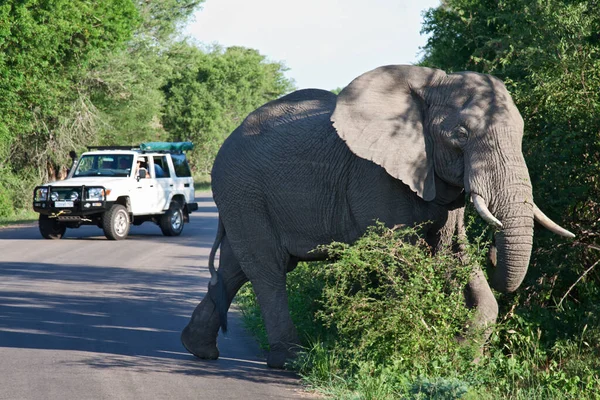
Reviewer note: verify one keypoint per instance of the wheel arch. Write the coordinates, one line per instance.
(124, 201)
(179, 198)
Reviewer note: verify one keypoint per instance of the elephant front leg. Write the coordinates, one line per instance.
(477, 292)
(478, 295)
(199, 337)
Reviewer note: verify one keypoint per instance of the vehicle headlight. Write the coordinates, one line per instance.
(54, 196)
(74, 196)
(95, 194)
(41, 194)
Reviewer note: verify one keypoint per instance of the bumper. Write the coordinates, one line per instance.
(68, 207)
(191, 207)
(79, 209)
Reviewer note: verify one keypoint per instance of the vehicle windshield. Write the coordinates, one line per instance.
(112, 165)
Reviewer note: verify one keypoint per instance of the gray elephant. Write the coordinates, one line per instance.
(400, 144)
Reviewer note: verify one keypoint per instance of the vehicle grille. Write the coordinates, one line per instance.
(64, 193)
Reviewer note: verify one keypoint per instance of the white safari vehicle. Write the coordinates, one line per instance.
(114, 187)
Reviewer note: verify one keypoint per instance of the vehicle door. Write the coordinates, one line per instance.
(164, 181)
(145, 196)
(184, 183)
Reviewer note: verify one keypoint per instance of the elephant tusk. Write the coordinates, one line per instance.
(483, 211)
(547, 223)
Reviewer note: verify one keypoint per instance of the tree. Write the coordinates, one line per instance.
(548, 54)
(46, 47)
(124, 87)
(210, 93)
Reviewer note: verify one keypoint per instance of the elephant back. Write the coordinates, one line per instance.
(276, 116)
(282, 148)
(295, 126)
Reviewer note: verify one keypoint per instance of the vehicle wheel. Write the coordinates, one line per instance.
(50, 228)
(115, 222)
(171, 222)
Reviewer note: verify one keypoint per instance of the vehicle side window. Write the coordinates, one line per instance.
(161, 168)
(182, 169)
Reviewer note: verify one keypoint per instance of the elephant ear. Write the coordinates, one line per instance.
(381, 117)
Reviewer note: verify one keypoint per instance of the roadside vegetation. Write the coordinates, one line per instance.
(382, 320)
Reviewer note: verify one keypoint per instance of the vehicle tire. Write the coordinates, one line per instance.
(50, 228)
(171, 222)
(115, 222)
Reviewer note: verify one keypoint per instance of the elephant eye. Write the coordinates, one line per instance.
(461, 134)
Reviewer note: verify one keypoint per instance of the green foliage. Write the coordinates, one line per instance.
(162, 18)
(382, 315)
(380, 321)
(548, 54)
(46, 48)
(74, 74)
(383, 272)
(535, 358)
(439, 388)
(210, 93)
(125, 96)
(6, 204)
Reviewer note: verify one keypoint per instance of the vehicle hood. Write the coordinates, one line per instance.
(107, 182)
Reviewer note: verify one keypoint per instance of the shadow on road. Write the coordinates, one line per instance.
(125, 318)
(132, 320)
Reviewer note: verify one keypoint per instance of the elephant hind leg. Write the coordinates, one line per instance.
(268, 280)
(199, 337)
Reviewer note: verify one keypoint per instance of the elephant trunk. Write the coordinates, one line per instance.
(513, 246)
(503, 197)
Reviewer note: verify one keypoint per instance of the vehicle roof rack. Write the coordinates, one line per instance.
(151, 147)
(166, 147)
(90, 148)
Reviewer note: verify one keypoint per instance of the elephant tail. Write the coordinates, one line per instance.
(211, 258)
(219, 291)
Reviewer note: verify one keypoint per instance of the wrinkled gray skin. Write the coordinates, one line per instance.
(400, 144)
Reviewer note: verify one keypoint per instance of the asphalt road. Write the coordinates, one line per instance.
(88, 318)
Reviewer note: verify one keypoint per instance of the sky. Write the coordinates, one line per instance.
(324, 43)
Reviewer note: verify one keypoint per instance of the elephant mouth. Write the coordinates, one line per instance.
(541, 218)
(513, 227)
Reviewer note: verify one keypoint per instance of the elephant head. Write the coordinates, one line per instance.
(438, 132)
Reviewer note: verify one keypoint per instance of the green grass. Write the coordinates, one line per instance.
(369, 334)
(202, 183)
(20, 217)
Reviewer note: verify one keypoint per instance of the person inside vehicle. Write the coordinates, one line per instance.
(124, 163)
(141, 165)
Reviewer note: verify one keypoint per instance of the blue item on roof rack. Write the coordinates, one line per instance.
(167, 146)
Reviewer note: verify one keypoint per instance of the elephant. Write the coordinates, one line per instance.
(400, 144)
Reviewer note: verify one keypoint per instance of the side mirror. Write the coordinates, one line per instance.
(141, 174)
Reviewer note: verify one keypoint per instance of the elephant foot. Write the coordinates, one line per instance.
(474, 347)
(199, 348)
(279, 358)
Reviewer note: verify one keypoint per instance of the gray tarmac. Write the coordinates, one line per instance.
(88, 318)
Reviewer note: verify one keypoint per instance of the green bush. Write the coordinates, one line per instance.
(381, 316)
(380, 321)
(386, 299)
(6, 206)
